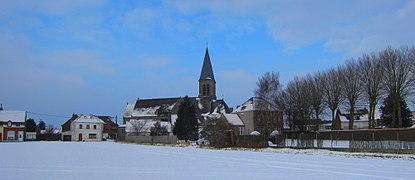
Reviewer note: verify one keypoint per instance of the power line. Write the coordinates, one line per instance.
(50, 115)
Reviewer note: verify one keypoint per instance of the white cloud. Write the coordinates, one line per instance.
(350, 27)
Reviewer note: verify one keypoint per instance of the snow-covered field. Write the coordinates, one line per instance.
(108, 160)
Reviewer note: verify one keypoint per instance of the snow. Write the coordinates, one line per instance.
(255, 133)
(109, 160)
(14, 116)
(234, 119)
(87, 118)
(129, 110)
(145, 125)
(151, 111)
(173, 118)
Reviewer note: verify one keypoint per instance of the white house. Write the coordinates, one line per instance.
(85, 127)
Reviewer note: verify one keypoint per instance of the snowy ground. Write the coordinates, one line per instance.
(108, 160)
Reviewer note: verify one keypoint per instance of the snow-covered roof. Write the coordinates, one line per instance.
(88, 118)
(129, 110)
(151, 111)
(233, 119)
(144, 125)
(360, 115)
(14, 116)
(254, 104)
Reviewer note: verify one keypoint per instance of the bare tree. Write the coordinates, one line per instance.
(268, 90)
(352, 86)
(398, 79)
(315, 84)
(412, 63)
(49, 129)
(332, 90)
(268, 86)
(298, 95)
(372, 81)
(138, 126)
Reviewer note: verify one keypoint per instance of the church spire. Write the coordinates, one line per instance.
(207, 71)
(207, 83)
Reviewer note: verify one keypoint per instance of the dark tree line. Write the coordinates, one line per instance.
(363, 81)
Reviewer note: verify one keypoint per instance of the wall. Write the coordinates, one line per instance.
(250, 141)
(248, 120)
(152, 139)
(383, 139)
(75, 131)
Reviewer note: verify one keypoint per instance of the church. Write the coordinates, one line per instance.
(140, 116)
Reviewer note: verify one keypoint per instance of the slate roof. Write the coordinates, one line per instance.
(207, 70)
(152, 107)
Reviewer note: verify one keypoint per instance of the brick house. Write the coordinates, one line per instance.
(12, 125)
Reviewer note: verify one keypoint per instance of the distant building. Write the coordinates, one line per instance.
(141, 115)
(83, 127)
(361, 119)
(110, 127)
(258, 114)
(12, 125)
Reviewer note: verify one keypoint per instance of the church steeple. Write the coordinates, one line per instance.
(207, 83)
(207, 71)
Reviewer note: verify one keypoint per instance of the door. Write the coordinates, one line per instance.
(20, 135)
(80, 136)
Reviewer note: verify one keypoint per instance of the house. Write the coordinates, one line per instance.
(31, 136)
(110, 127)
(361, 119)
(141, 115)
(257, 114)
(12, 125)
(83, 127)
(236, 122)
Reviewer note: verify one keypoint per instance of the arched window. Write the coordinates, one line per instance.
(208, 90)
(204, 90)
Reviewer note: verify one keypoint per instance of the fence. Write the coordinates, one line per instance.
(251, 141)
(382, 139)
(152, 139)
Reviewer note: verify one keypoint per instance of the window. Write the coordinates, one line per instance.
(10, 135)
(241, 131)
(95, 126)
(204, 90)
(18, 124)
(92, 136)
(207, 90)
(9, 123)
(80, 126)
(87, 126)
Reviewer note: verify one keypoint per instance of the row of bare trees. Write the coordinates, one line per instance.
(363, 81)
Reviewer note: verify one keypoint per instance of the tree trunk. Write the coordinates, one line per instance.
(351, 117)
(399, 114)
(370, 116)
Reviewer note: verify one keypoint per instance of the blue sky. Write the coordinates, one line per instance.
(64, 57)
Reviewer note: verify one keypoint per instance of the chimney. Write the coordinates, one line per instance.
(1, 107)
